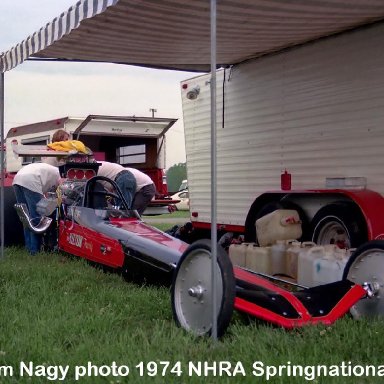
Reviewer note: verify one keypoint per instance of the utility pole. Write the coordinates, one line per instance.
(153, 110)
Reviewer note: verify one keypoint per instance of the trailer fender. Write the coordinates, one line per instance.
(371, 205)
(367, 206)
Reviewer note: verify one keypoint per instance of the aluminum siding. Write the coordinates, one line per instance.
(317, 111)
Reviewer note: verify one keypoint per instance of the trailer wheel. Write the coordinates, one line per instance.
(366, 265)
(340, 223)
(191, 291)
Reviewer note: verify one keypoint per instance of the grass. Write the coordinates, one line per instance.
(164, 226)
(57, 310)
(176, 214)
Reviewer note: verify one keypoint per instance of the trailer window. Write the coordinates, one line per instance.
(132, 154)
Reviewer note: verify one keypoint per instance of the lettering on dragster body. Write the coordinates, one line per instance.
(50, 372)
(215, 368)
(75, 240)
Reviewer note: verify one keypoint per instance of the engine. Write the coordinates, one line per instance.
(76, 172)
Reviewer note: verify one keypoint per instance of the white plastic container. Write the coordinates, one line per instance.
(278, 258)
(282, 224)
(292, 258)
(330, 267)
(306, 260)
(237, 253)
(258, 259)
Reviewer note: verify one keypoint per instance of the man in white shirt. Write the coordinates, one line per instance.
(30, 184)
(137, 187)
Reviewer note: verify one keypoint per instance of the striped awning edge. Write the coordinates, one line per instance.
(53, 31)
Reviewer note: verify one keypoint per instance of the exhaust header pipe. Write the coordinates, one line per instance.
(23, 213)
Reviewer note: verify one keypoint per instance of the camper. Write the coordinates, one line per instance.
(137, 142)
(300, 129)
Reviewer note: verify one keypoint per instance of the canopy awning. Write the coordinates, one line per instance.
(175, 34)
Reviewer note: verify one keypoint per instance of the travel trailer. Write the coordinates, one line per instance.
(298, 129)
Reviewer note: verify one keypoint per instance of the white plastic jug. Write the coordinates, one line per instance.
(307, 257)
(237, 254)
(292, 258)
(282, 224)
(258, 259)
(330, 267)
(278, 258)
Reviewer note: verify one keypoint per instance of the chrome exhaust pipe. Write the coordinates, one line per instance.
(23, 213)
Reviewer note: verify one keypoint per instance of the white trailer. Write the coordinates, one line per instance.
(315, 110)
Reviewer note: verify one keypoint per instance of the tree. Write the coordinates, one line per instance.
(175, 175)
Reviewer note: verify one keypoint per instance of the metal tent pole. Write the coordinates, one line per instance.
(213, 169)
(2, 163)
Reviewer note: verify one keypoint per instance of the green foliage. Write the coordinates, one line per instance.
(175, 175)
(167, 216)
(58, 310)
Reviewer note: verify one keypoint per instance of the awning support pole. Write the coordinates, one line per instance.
(213, 170)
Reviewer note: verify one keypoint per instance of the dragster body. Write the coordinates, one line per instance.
(95, 227)
(93, 221)
(120, 240)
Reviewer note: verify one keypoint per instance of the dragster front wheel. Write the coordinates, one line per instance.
(366, 265)
(191, 295)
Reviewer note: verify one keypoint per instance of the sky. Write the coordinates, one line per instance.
(40, 91)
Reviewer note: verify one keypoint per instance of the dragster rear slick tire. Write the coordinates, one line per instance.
(191, 292)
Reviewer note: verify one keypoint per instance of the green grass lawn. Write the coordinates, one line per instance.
(57, 310)
(176, 214)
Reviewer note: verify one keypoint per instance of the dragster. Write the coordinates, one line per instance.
(91, 220)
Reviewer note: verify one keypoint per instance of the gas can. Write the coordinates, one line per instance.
(258, 259)
(330, 267)
(237, 254)
(292, 258)
(307, 257)
(282, 224)
(278, 258)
